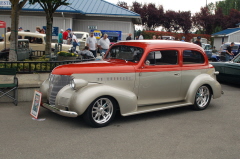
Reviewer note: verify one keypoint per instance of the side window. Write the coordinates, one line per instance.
(192, 57)
(34, 40)
(163, 57)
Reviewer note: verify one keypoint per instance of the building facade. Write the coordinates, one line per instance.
(79, 15)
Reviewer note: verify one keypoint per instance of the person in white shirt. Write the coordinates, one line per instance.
(74, 42)
(38, 29)
(104, 43)
(140, 37)
(92, 44)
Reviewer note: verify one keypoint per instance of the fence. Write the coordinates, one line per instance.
(27, 67)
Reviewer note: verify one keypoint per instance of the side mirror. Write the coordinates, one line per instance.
(147, 62)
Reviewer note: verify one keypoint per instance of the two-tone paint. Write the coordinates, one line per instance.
(136, 87)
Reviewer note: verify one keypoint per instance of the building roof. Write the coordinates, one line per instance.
(86, 7)
(226, 32)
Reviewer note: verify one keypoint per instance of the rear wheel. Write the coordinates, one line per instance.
(100, 112)
(202, 98)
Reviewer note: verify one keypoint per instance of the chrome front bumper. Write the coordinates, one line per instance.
(60, 111)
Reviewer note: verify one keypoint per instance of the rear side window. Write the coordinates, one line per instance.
(192, 57)
(163, 57)
(34, 40)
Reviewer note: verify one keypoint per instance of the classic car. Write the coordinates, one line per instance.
(208, 50)
(221, 55)
(229, 72)
(134, 77)
(36, 41)
(23, 51)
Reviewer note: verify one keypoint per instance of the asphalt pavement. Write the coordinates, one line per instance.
(179, 133)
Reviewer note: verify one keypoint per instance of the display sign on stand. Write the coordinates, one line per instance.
(36, 104)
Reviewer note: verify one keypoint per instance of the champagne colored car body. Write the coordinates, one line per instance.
(135, 77)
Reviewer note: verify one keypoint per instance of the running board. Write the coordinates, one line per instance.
(152, 108)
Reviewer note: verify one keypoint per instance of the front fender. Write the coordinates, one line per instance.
(82, 98)
(203, 79)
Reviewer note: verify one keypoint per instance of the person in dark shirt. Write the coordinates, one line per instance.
(129, 37)
(229, 52)
(198, 42)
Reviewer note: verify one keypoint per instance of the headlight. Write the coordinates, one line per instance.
(78, 83)
(72, 84)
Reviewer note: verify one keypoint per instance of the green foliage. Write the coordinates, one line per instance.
(66, 54)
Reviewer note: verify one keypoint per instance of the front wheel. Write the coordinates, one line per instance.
(100, 112)
(202, 98)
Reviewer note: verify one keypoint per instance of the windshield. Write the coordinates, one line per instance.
(123, 52)
(237, 59)
(79, 36)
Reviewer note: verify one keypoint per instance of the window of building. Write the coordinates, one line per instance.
(163, 57)
(192, 57)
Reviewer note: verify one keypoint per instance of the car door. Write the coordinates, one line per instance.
(159, 78)
(36, 43)
(232, 70)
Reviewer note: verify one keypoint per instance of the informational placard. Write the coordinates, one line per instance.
(54, 30)
(5, 3)
(36, 104)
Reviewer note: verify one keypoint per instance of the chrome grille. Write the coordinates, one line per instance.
(57, 82)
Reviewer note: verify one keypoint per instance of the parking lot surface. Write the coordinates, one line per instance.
(180, 133)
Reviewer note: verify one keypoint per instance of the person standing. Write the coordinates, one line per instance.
(20, 29)
(183, 39)
(8, 29)
(60, 37)
(229, 52)
(74, 42)
(38, 29)
(198, 42)
(104, 43)
(129, 37)
(140, 37)
(92, 44)
(65, 35)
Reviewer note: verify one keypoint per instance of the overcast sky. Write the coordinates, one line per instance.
(176, 5)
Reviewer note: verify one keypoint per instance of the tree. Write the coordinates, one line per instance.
(233, 18)
(184, 21)
(122, 4)
(169, 22)
(204, 20)
(16, 7)
(49, 6)
(227, 5)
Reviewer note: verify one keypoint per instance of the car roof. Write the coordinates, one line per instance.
(228, 43)
(159, 44)
(29, 34)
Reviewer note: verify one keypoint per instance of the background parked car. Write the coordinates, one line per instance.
(82, 37)
(228, 71)
(208, 50)
(37, 41)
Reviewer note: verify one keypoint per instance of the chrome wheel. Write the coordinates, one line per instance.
(102, 110)
(202, 96)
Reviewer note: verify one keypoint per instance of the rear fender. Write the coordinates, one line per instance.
(203, 79)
